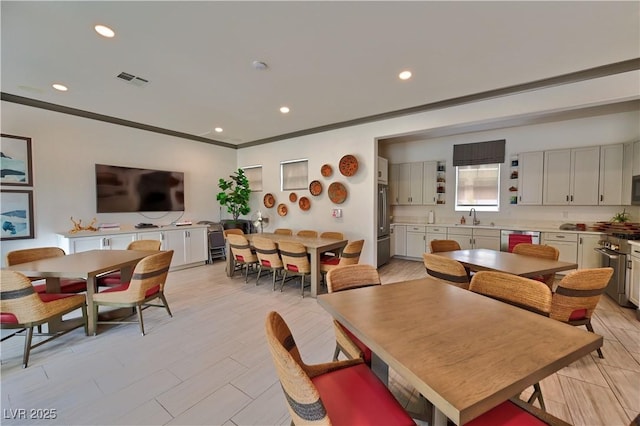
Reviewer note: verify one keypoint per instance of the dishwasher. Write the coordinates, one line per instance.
(509, 238)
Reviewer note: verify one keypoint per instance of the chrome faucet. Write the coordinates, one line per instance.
(475, 220)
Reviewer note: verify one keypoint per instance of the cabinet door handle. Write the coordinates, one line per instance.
(601, 197)
(572, 198)
(567, 198)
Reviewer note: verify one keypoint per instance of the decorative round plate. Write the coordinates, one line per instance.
(337, 193)
(348, 165)
(282, 210)
(315, 188)
(326, 170)
(293, 197)
(304, 203)
(269, 200)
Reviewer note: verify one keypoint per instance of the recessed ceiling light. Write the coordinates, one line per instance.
(104, 31)
(284, 109)
(405, 75)
(259, 65)
(60, 87)
(218, 129)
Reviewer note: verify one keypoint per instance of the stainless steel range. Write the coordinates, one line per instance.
(614, 252)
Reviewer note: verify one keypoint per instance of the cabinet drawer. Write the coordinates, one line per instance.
(561, 236)
(436, 230)
(486, 233)
(415, 228)
(460, 231)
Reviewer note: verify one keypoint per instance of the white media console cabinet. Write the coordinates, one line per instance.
(189, 243)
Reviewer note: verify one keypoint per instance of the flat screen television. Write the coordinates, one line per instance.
(127, 189)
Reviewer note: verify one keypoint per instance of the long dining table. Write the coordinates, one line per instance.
(512, 263)
(465, 353)
(315, 247)
(87, 265)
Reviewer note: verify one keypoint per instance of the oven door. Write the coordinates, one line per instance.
(617, 261)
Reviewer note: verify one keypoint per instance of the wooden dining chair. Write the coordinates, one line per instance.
(344, 278)
(307, 233)
(515, 412)
(443, 245)
(577, 295)
(114, 278)
(67, 285)
(350, 256)
(542, 251)
(283, 231)
(233, 231)
(242, 254)
(268, 257)
(339, 393)
(525, 293)
(146, 285)
(22, 308)
(334, 236)
(447, 270)
(295, 261)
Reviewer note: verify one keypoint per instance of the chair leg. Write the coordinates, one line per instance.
(302, 285)
(86, 322)
(166, 305)
(274, 279)
(27, 347)
(537, 394)
(139, 309)
(284, 277)
(336, 352)
(590, 328)
(94, 314)
(259, 272)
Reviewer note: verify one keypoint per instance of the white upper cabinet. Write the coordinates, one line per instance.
(383, 170)
(410, 184)
(429, 182)
(394, 183)
(571, 176)
(530, 178)
(611, 175)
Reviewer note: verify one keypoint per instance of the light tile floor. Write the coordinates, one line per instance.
(209, 364)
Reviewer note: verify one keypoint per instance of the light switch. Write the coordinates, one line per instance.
(336, 212)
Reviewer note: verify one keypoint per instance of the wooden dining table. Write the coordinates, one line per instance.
(315, 247)
(87, 265)
(464, 352)
(512, 263)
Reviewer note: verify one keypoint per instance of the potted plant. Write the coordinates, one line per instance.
(234, 194)
(621, 217)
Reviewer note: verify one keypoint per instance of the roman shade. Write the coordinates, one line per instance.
(471, 154)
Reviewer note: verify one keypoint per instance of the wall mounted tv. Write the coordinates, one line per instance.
(127, 189)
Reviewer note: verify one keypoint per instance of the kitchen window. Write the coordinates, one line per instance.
(478, 187)
(294, 175)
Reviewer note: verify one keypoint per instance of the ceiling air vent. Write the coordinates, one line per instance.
(132, 79)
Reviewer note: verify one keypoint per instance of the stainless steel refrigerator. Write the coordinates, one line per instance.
(383, 225)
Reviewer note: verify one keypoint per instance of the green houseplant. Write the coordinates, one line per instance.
(234, 194)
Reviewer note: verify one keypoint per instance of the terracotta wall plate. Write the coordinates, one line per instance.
(293, 197)
(282, 210)
(304, 203)
(326, 170)
(315, 188)
(348, 165)
(269, 200)
(337, 193)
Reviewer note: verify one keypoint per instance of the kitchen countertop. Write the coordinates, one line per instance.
(498, 227)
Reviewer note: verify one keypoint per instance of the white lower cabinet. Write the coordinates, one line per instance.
(399, 238)
(587, 256)
(434, 233)
(188, 245)
(98, 242)
(634, 279)
(415, 241)
(462, 235)
(566, 243)
(486, 239)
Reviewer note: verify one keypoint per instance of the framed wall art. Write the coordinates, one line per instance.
(15, 161)
(16, 215)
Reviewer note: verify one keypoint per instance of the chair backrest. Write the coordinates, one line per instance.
(351, 253)
(304, 403)
(233, 231)
(147, 245)
(443, 245)
(352, 276)
(307, 233)
(150, 272)
(294, 257)
(448, 270)
(240, 248)
(333, 235)
(19, 298)
(539, 250)
(283, 231)
(16, 257)
(578, 293)
(216, 239)
(525, 293)
(267, 252)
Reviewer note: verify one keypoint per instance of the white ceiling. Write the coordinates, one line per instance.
(330, 62)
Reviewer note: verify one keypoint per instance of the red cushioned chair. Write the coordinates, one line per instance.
(516, 413)
(346, 278)
(295, 261)
(577, 296)
(114, 278)
(349, 256)
(147, 284)
(67, 285)
(22, 308)
(338, 393)
(539, 250)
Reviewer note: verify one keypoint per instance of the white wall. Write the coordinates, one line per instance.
(65, 149)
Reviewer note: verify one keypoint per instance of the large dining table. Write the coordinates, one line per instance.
(464, 352)
(512, 263)
(87, 265)
(315, 247)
